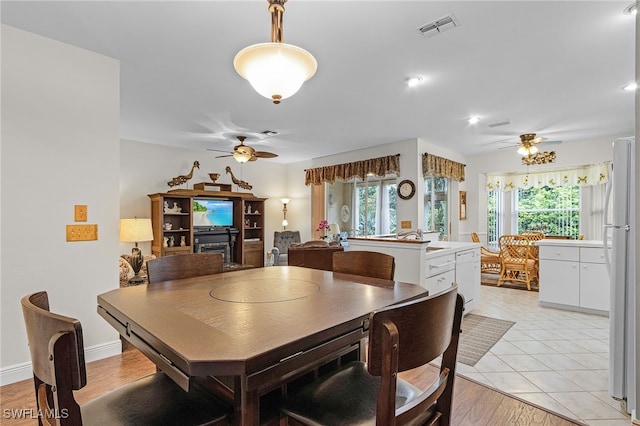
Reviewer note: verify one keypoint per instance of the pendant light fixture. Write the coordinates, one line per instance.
(276, 70)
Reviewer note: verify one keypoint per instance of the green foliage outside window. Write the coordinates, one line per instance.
(555, 211)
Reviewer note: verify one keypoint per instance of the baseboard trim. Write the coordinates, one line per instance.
(18, 372)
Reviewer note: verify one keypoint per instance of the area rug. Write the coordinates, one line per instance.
(492, 281)
(479, 334)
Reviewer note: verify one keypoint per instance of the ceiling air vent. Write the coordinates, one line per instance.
(436, 27)
(499, 123)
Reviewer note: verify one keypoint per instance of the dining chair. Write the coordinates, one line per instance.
(535, 249)
(401, 337)
(517, 260)
(489, 259)
(180, 266)
(364, 263)
(57, 358)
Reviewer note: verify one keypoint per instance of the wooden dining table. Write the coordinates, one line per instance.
(252, 331)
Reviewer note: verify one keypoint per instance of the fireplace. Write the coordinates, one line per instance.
(216, 240)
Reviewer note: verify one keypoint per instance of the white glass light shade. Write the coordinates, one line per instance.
(135, 230)
(285, 200)
(527, 150)
(275, 70)
(285, 222)
(241, 157)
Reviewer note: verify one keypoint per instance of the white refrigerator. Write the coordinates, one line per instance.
(619, 233)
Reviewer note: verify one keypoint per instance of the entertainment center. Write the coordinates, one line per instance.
(196, 221)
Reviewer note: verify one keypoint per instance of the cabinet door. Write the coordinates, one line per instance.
(559, 282)
(594, 286)
(468, 276)
(253, 253)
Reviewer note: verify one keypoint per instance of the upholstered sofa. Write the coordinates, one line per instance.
(315, 254)
(126, 271)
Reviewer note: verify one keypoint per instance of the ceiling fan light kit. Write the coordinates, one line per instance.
(243, 153)
(539, 158)
(276, 70)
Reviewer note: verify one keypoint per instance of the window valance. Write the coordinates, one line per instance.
(442, 167)
(380, 166)
(582, 176)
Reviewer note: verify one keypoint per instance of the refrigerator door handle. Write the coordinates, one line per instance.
(607, 226)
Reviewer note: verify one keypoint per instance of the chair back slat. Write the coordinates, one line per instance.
(181, 266)
(365, 263)
(424, 328)
(406, 336)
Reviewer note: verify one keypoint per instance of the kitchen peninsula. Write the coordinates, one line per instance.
(432, 264)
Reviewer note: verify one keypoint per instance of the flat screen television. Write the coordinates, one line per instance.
(212, 213)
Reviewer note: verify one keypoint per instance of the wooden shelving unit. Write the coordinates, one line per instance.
(248, 218)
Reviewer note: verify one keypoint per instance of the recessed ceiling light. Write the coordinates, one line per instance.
(630, 87)
(632, 9)
(473, 119)
(413, 81)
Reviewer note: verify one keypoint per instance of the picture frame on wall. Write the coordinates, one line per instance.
(463, 205)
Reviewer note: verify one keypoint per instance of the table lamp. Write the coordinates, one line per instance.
(134, 231)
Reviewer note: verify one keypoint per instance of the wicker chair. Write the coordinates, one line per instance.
(489, 260)
(517, 260)
(535, 250)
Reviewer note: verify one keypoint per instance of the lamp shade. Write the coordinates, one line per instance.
(275, 70)
(135, 230)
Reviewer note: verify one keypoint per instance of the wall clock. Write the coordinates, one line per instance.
(406, 189)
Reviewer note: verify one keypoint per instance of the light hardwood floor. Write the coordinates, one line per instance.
(474, 404)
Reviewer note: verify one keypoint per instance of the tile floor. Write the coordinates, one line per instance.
(553, 358)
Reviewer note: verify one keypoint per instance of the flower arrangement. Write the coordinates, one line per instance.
(323, 226)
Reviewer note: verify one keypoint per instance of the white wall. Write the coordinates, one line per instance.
(60, 147)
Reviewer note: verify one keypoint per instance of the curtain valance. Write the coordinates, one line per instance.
(380, 166)
(442, 167)
(582, 176)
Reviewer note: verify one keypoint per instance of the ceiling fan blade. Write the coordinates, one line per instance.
(253, 158)
(222, 156)
(218, 150)
(551, 142)
(264, 154)
(515, 145)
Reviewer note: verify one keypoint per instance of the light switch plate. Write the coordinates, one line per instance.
(82, 232)
(80, 213)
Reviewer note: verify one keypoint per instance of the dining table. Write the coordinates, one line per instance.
(252, 331)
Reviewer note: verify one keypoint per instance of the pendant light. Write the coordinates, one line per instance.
(276, 70)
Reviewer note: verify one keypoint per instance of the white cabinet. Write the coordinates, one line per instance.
(468, 276)
(594, 280)
(574, 276)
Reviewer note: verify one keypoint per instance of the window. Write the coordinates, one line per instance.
(375, 204)
(436, 205)
(494, 217)
(554, 211)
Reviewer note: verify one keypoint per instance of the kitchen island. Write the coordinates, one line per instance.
(432, 264)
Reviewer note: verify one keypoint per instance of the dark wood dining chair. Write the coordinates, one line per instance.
(180, 266)
(365, 263)
(57, 358)
(401, 337)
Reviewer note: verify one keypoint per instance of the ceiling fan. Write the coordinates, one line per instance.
(243, 153)
(528, 144)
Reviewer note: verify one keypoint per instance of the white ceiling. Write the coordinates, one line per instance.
(551, 68)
